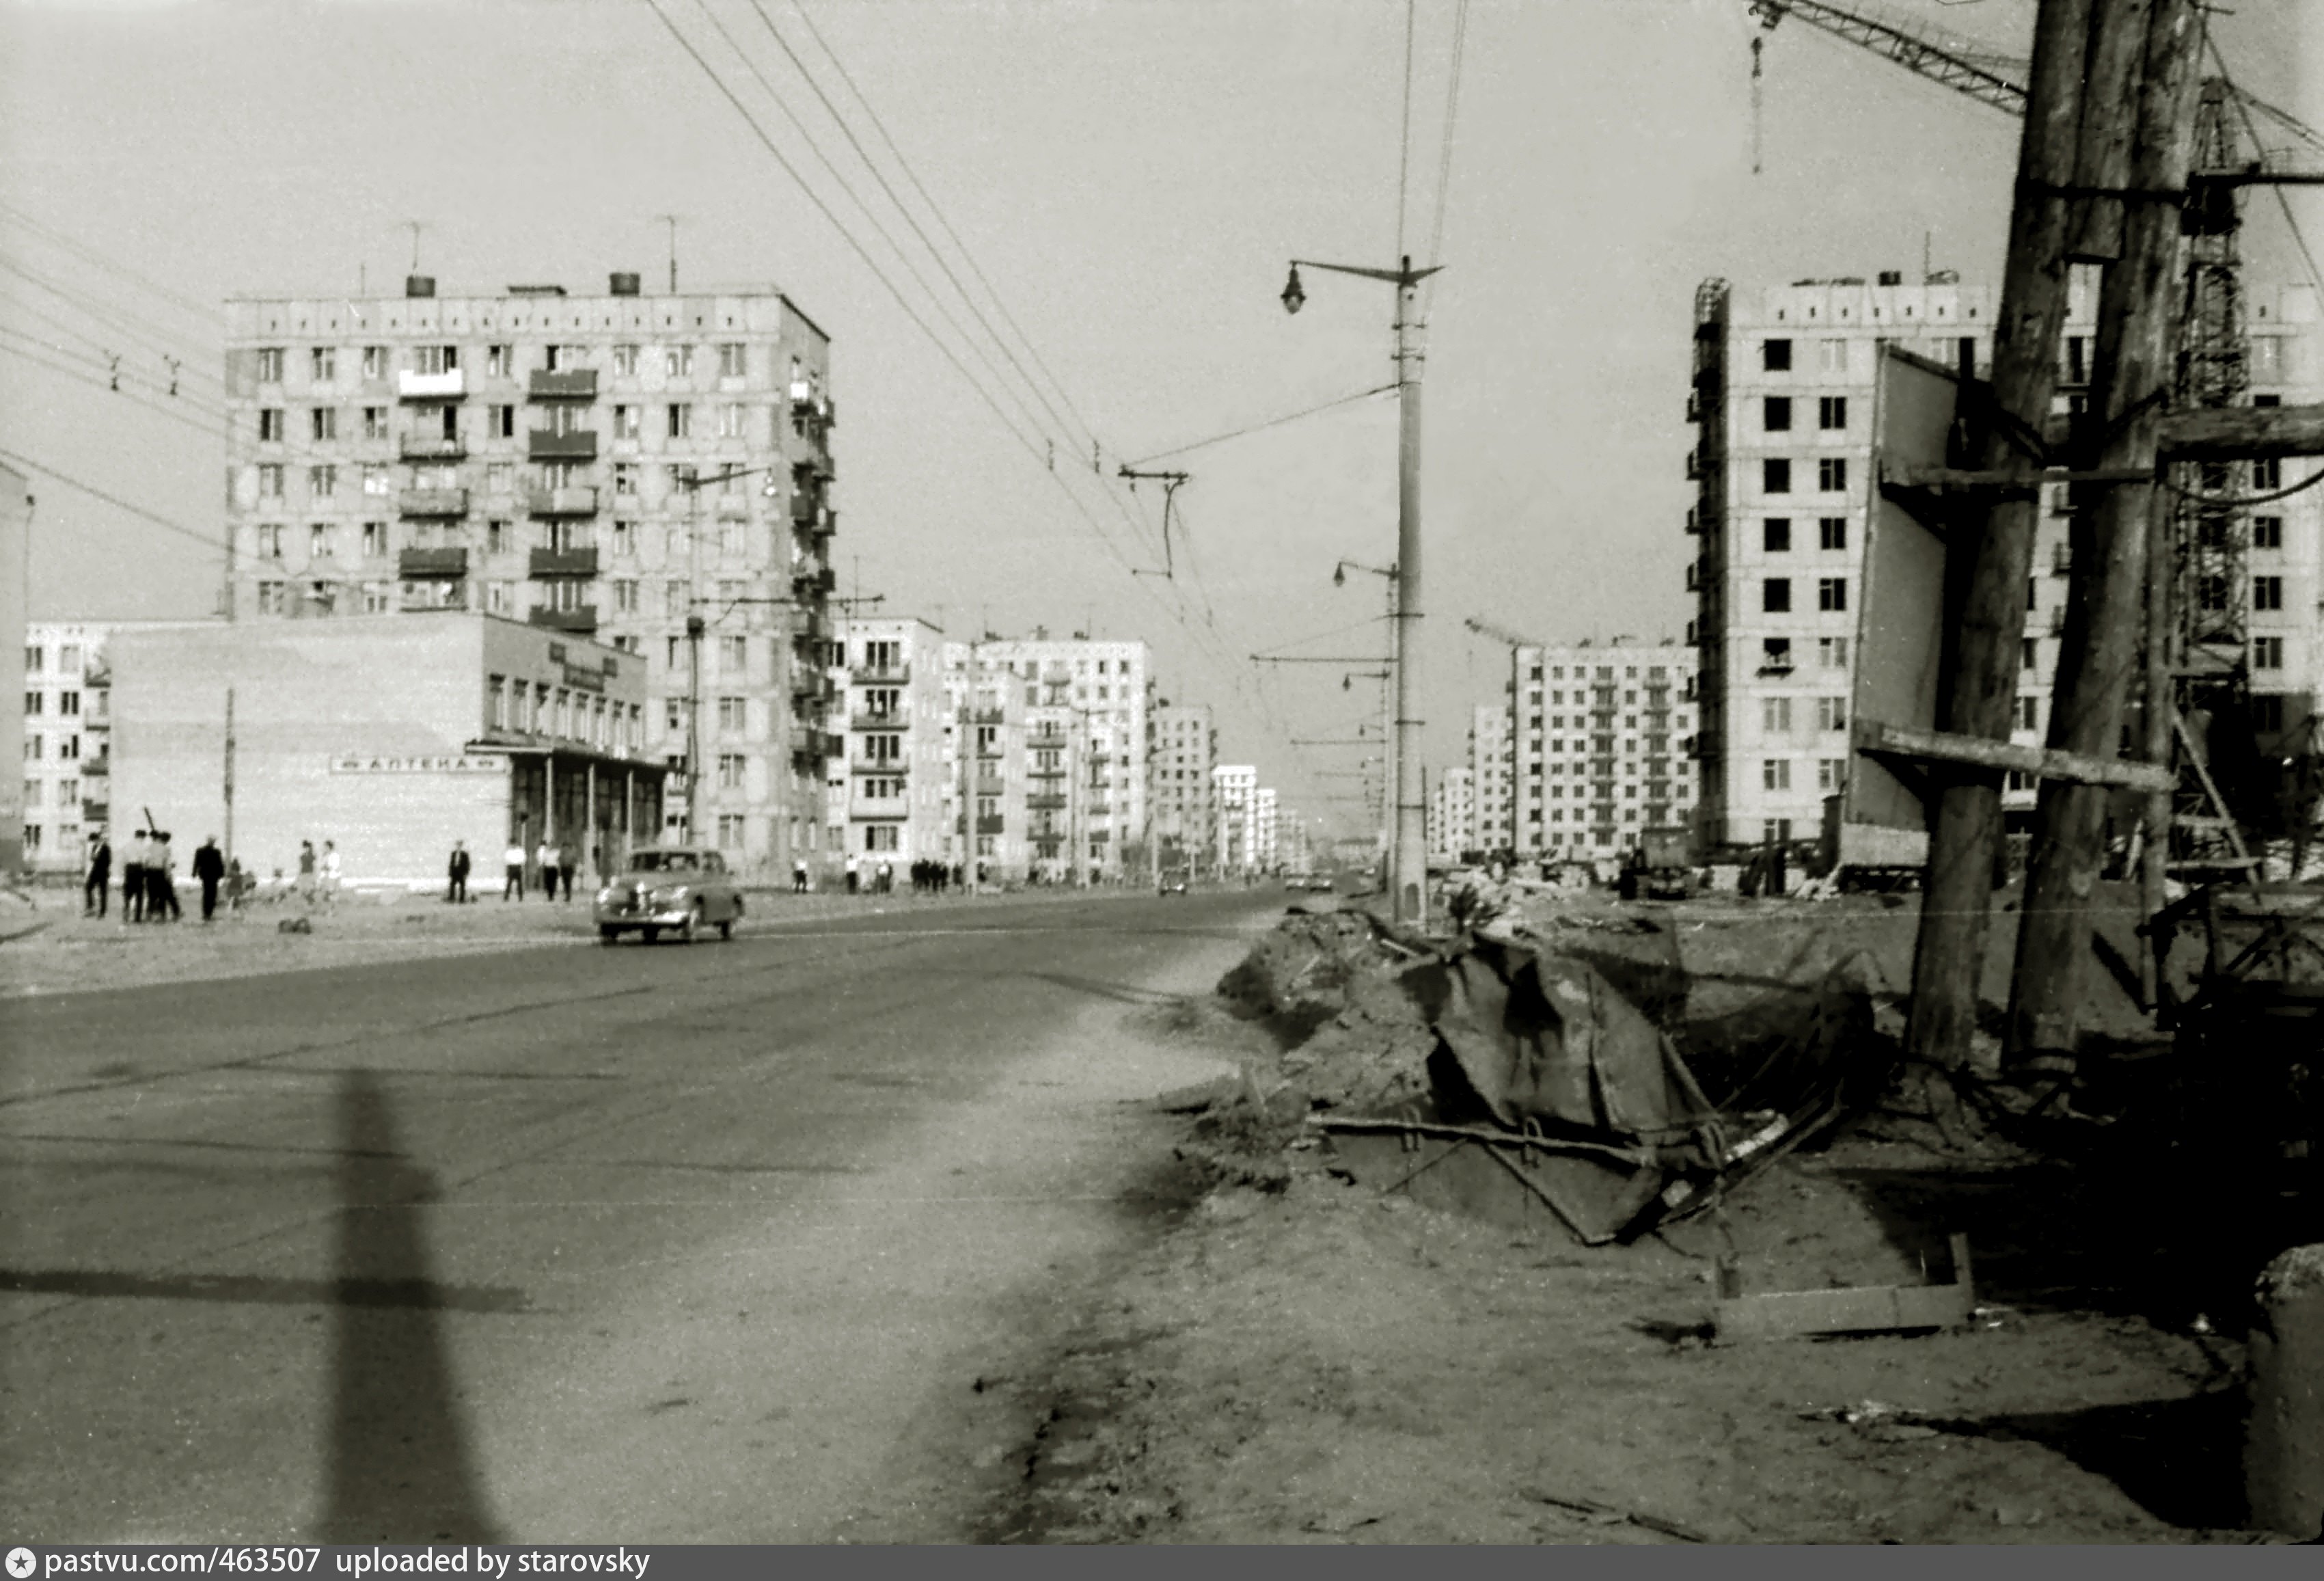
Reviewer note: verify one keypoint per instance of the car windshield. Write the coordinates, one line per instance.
(663, 862)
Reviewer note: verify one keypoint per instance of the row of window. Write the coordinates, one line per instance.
(1776, 413)
(36, 703)
(384, 481)
(35, 747)
(1830, 774)
(1604, 672)
(730, 419)
(1776, 533)
(500, 361)
(36, 659)
(1776, 594)
(376, 539)
(1776, 475)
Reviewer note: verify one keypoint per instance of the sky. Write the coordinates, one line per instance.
(1132, 177)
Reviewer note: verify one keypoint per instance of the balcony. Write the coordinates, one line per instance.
(563, 562)
(875, 765)
(581, 619)
(446, 387)
(989, 716)
(575, 385)
(580, 501)
(806, 510)
(1047, 802)
(93, 767)
(879, 674)
(879, 806)
(433, 448)
(990, 785)
(544, 445)
(1038, 773)
(809, 686)
(879, 722)
(431, 565)
(432, 502)
(808, 584)
(991, 824)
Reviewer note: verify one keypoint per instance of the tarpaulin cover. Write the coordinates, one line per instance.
(1544, 1041)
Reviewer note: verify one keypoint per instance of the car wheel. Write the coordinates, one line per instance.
(608, 934)
(649, 934)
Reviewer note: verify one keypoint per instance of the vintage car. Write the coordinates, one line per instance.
(680, 888)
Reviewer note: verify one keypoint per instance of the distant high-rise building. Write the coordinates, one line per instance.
(652, 472)
(17, 840)
(890, 795)
(68, 749)
(1265, 832)
(1237, 787)
(1453, 813)
(1186, 817)
(1490, 761)
(1599, 741)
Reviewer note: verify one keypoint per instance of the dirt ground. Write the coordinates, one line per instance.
(1305, 1360)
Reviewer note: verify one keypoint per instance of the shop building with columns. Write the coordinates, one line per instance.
(391, 736)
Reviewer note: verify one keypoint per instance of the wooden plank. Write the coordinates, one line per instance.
(1943, 746)
(1879, 1308)
(1959, 477)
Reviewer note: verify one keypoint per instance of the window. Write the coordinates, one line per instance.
(1831, 533)
(677, 598)
(498, 360)
(2267, 532)
(1775, 534)
(1776, 356)
(322, 482)
(375, 361)
(270, 540)
(2268, 653)
(625, 538)
(323, 364)
(1831, 413)
(1775, 715)
(2029, 713)
(322, 542)
(1775, 655)
(270, 425)
(2267, 474)
(324, 421)
(1775, 414)
(269, 365)
(497, 537)
(730, 421)
(1831, 712)
(1831, 474)
(625, 596)
(730, 831)
(1831, 356)
(1831, 594)
(1775, 773)
(270, 598)
(500, 422)
(436, 359)
(374, 423)
(730, 771)
(625, 361)
(677, 362)
(1832, 774)
(625, 422)
(2267, 712)
(2267, 358)
(1775, 596)
(734, 654)
(680, 420)
(35, 703)
(2029, 652)
(2267, 592)
(731, 716)
(1774, 475)
(269, 480)
(732, 362)
(68, 658)
(625, 475)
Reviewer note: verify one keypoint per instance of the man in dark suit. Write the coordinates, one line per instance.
(100, 875)
(209, 869)
(457, 895)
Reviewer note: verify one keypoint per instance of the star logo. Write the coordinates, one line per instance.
(21, 1562)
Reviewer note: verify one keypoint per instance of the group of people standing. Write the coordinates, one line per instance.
(555, 864)
(149, 873)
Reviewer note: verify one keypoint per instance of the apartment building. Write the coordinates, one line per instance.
(1235, 793)
(990, 818)
(1782, 401)
(1452, 814)
(1089, 712)
(1490, 762)
(1598, 745)
(1185, 815)
(650, 472)
(68, 743)
(1266, 828)
(15, 528)
(889, 795)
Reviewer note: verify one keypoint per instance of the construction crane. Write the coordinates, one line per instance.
(2210, 650)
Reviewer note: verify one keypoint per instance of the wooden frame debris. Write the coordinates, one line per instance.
(1865, 1310)
(2046, 763)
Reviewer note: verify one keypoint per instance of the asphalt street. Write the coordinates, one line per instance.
(581, 1244)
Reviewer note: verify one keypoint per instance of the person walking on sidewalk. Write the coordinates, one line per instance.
(100, 875)
(798, 875)
(458, 892)
(307, 872)
(210, 871)
(545, 858)
(160, 875)
(568, 858)
(855, 877)
(331, 874)
(132, 878)
(512, 886)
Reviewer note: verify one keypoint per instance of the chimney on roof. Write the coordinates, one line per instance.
(624, 283)
(419, 285)
(1892, 277)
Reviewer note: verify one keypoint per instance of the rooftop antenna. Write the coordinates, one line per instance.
(413, 226)
(671, 220)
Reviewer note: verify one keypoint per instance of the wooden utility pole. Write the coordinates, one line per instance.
(2106, 610)
(1982, 685)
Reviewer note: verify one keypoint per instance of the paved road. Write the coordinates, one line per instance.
(572, 1243)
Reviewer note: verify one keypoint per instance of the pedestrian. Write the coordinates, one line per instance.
(210, 871)
(798, 875)
(331, 874)
(854, 877)
(161, 872)
(306, 872)
(100, 873)
(568, 858)
(237, 884)
(545, 857)
(513, 886)
(132, 877)
(458, 892)
(887, 876)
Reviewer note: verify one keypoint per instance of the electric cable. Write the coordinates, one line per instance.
(1260, 426)
(67, 478)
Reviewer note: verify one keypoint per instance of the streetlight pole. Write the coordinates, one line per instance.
(1408, 858)
(1390, 704)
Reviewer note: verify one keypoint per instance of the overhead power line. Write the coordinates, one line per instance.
(208, 311)
(67, 478)
(1269, 423)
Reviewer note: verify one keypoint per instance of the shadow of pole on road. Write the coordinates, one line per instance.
(400, 1464)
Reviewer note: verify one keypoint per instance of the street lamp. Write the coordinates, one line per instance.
(1408, 857)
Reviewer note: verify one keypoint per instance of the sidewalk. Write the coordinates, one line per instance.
(63, 952)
